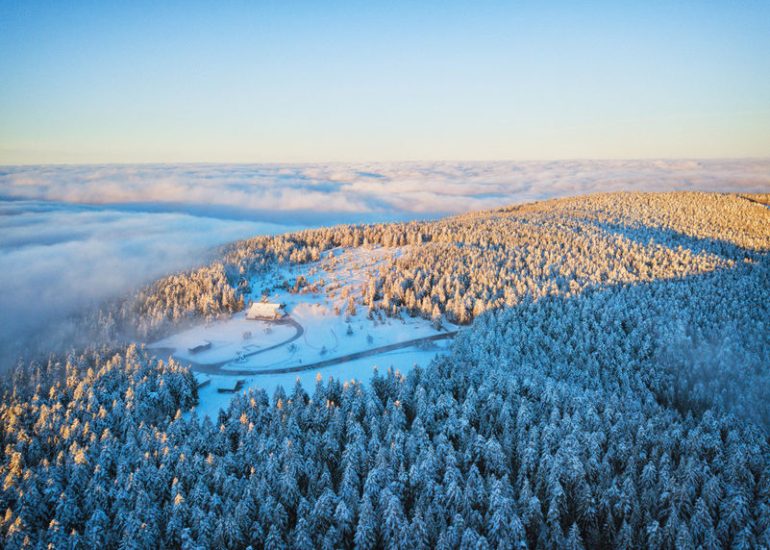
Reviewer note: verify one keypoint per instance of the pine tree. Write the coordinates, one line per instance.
(366, 531)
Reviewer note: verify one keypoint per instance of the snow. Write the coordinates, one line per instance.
(329, 331)
(403, 361)
(226, 337)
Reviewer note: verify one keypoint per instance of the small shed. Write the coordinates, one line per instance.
(199, 347)
(232, 388)
(265, 311)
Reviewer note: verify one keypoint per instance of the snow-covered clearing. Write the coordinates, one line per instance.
(228, 339)
(211, 400)
(328, 328)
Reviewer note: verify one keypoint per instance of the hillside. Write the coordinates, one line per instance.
(610, 388)
(465, 265)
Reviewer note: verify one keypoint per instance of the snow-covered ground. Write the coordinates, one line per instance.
(211, 400)
(227, 338)
(329, 330)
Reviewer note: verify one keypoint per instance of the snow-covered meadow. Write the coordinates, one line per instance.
(330, 329)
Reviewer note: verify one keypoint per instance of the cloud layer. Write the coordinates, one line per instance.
(327, 193)
(56, 258)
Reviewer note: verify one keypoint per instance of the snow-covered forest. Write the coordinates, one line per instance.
(611, 390)
(463, 266)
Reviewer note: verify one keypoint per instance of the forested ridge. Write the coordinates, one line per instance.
(612, 392)
(460, 267)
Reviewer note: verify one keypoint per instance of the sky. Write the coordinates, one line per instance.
(286, 82)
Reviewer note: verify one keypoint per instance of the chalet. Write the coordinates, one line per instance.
(264, 311)
(200, 347)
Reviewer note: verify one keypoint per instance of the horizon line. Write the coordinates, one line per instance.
(413, 161)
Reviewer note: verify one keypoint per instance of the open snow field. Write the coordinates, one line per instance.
(325, 328)
(227, 339)
(211, 400)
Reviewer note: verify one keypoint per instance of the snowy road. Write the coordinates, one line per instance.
(194, 365)
(216, 368)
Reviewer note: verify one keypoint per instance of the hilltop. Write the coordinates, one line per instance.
(468, 264)
(607, 387)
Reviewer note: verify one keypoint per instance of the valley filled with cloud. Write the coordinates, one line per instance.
(59, 258)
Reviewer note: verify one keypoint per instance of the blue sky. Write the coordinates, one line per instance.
(282, 82)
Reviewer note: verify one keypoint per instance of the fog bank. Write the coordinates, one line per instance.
(57, 258)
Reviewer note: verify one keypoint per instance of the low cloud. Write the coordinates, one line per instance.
(57, 258)
(327, 193)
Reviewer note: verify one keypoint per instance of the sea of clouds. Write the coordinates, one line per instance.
(71, 236)
(331, 193)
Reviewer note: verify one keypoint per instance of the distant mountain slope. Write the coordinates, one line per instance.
(735, 219)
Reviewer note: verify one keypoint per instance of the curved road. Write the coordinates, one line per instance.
(299, 330)
(216, 368)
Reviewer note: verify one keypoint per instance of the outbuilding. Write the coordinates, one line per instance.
(203, 346)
